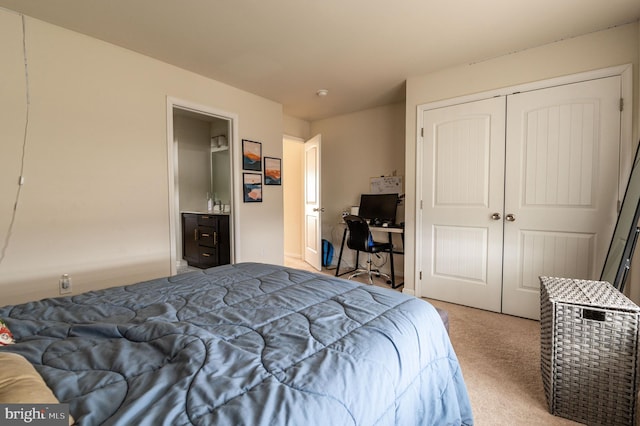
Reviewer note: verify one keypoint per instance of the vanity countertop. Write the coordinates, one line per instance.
(205, 212)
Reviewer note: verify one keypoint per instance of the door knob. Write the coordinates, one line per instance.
(496, 216)
(510, 217)
(316, 209)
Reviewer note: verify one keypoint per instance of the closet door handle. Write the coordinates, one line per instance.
(496, 216)
(195, 234)
(510, 217)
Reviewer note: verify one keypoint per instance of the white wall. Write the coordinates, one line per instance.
(296, 127)
(296, 131)
(220, 163)
(602, 49)
(293, 193)
(95, 203)
(220, 174)
(355, 148)
(194, 149)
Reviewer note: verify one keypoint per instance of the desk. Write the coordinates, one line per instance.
(390, 231)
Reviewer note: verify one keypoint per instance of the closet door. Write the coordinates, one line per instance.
(462, 203)
(560, 187)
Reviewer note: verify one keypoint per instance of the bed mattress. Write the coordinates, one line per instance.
(244, 344)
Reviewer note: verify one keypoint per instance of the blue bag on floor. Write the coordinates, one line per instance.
(327, 253)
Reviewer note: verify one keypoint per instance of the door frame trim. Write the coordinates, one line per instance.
(172, 158)
(626, 137)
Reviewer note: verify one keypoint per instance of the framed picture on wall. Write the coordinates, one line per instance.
(251, 155)
(252, 187)
(272, 171)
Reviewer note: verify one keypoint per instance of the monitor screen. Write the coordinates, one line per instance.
(379, 206)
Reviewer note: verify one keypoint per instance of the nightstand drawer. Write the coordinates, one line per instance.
(207, 236)
(207, 220)
(208, 256)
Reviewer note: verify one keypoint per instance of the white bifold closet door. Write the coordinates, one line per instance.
(516, 187)
(562, 166)
(462, 190)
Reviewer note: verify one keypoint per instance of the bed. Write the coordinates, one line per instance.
(244, 344)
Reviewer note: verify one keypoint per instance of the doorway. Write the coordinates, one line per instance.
(302, 200)
(201, 155)
(293, 196)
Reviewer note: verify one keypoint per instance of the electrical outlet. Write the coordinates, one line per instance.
(65, 284)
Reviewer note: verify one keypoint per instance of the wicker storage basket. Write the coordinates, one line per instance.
(589, 351)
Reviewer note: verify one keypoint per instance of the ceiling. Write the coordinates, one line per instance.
(361, 51)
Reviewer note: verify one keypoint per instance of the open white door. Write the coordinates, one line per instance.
(312, 206)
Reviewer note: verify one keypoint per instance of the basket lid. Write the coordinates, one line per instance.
(586, 292)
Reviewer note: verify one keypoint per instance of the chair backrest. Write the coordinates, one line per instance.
(359, 234)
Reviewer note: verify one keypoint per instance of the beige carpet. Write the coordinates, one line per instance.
(500, 359)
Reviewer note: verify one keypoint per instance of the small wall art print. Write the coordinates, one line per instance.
(272, 171)
(252, 187)
(251, 155)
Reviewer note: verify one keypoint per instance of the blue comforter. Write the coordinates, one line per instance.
(245, 344)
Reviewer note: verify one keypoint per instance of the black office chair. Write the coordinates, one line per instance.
(360, 239)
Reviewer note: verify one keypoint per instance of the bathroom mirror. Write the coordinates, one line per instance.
(625, 235)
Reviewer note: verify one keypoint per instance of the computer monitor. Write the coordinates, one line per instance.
(379, 206)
